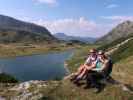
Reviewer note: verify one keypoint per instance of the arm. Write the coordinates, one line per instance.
(105, 65)
(87, 61)
(90, 67)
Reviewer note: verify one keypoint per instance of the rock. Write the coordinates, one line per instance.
(1, 98)
(25, 93)
(69, 76)
(124, 88)
(28, 84)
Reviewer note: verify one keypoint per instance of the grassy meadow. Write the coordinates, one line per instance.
(122, 71)
(19, 49)
(66, 90)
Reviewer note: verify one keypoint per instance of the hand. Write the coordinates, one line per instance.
(100, 71)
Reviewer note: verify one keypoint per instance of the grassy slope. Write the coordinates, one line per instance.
(67, 91)
(19, 49)
(112, 44)
(123, 70)
(123, 52)
(5, 78)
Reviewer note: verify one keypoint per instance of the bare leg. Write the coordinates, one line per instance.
(80, 76)
(80, 69)
(83, 73)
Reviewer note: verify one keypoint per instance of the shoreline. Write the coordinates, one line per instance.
(40, 52)
(64, 64)
(43, 53)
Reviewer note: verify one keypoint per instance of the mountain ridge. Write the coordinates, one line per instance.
(121, 30)
(63, 36)
(10, 25)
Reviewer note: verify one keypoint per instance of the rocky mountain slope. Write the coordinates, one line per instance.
(13, 30)
(122, 30)
(119, 49)
(66, 90)
(122, 53)
(62, 36)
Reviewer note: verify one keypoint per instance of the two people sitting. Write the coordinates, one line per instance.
(97, 65)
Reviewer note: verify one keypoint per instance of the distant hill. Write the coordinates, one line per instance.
(63, 36)
(124, 51)
(13, 30)
(124, 47)
(122, 30)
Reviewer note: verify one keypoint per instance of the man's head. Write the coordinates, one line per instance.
(101, 54)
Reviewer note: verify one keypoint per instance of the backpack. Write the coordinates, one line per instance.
(110, 67)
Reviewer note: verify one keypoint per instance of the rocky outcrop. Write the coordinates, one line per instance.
(122, 30)
(30, 90)
(16, 31)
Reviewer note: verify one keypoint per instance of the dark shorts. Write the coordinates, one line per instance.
(96, 75)
(93, 78)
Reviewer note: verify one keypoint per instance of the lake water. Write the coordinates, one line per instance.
(37, 67)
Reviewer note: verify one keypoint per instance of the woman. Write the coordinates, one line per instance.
(88, 65)
(102, 70)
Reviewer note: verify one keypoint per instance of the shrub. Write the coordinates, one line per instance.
(6, 78)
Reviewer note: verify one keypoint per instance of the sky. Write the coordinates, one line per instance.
(86, 18)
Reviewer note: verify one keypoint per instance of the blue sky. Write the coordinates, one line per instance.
(91, 18)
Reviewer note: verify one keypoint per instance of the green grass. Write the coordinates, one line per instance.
(79, 57)
(112, 44)
(66, 90)
(19, 49)
(6, 78)
(123, 52)
(123, 70)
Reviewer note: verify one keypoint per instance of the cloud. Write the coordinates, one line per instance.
(118, 18)
(75, 27)
(112, 6)
(78, 27)
(113, 21)
(49, 2)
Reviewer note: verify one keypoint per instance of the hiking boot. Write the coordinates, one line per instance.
(73, 78)
(87, 87)
(76, 81)
(99, 88)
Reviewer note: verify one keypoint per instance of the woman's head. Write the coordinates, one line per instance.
(92, 51)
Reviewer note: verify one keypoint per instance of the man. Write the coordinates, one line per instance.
(104, 64)
(89, 64)
(102, 70)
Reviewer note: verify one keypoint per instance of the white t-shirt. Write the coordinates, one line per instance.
(91, 59)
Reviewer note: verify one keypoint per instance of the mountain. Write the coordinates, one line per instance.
(119, 49)
(13, 30)
(118, 88)
(62, 36)
(122, 30)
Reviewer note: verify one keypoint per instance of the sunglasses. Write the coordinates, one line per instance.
(92, 52)
(100, 54)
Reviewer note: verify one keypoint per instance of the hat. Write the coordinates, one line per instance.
(100, 52)
(92, 51)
